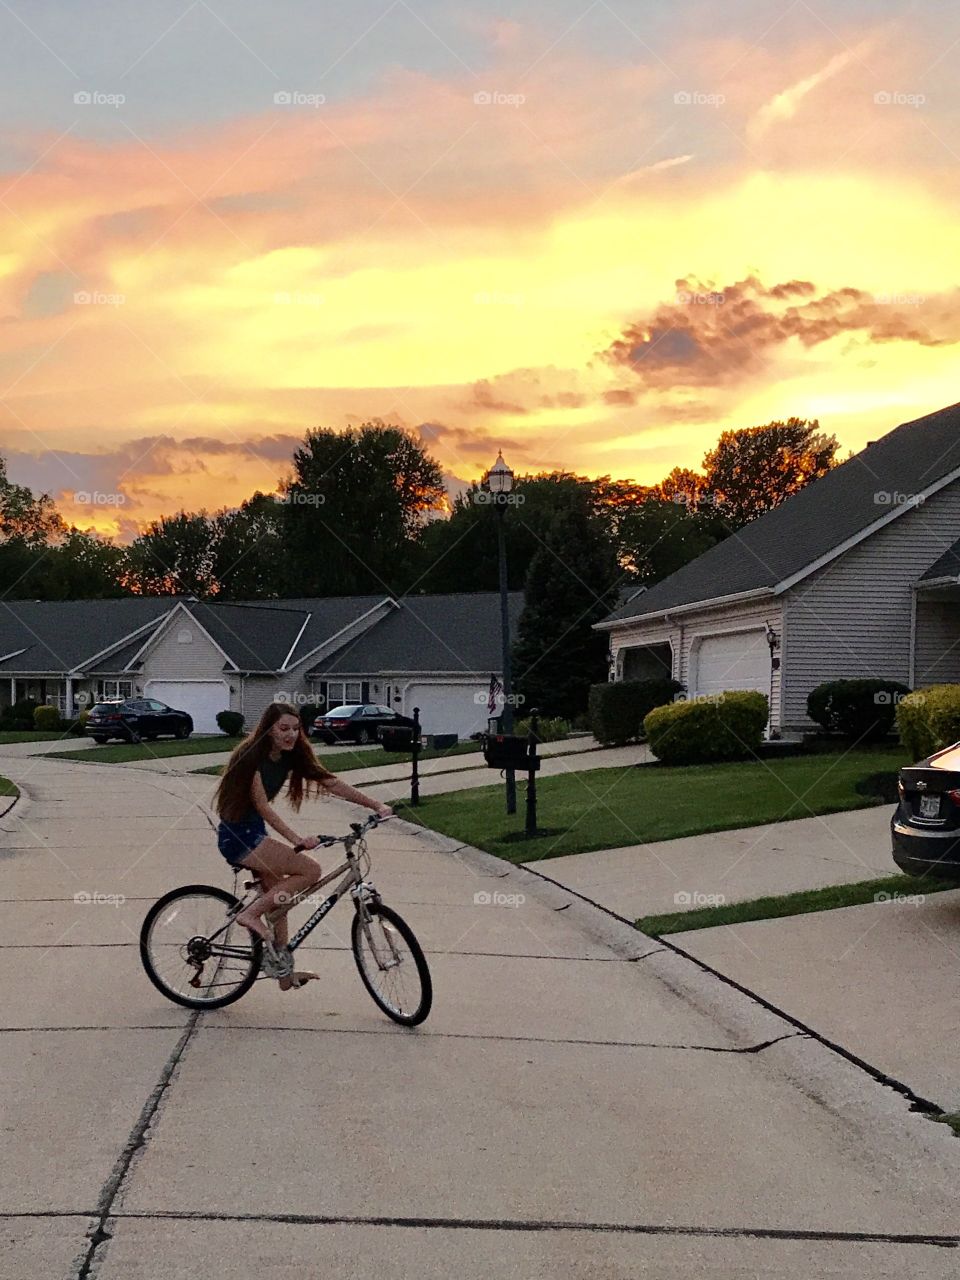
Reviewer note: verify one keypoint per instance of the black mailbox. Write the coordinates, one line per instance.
(396, 738)
(508, 751)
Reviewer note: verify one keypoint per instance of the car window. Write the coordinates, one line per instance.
(100, 707)
(372, 711)
(157, 706)
(383, 711)
(344, 711)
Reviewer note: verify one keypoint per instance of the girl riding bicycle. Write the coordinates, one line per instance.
(277, 751)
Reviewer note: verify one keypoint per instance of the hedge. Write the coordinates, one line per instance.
(723, 727)
(929, 719)
(860, 709)
(230, 723)
(46, 719)
(617, 710)
(548, 730)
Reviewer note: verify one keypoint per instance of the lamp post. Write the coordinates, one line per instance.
(499, 483)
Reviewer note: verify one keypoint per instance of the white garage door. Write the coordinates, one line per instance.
(737, 661)
(201, 699)
(447, 708)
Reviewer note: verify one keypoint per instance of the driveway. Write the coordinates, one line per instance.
(581, 1102)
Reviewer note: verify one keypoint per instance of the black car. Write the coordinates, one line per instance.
(136, 720)
(926, 824)
(357, 722)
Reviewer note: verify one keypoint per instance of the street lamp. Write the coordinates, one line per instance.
(499, 483)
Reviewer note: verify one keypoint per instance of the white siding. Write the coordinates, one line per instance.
(688, 628)
(259, 691)
(852, 618)
(938, 642)
(171, 659)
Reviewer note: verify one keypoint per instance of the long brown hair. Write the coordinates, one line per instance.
(233, 799)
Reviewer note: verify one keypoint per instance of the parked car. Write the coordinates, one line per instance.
(357, 722)
(136, 720)
(926, 825)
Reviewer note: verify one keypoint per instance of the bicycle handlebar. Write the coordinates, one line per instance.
(357, 829)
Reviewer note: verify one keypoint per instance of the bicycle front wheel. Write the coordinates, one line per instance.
(392, 965)
(192, 955)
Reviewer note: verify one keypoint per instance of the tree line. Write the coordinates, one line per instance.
(365, 511)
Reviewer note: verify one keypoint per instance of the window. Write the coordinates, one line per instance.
(343, 691)
(156, 706)
(112, 690)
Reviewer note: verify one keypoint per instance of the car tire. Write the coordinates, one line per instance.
(363, 737)
(98, 738)
(183, 732)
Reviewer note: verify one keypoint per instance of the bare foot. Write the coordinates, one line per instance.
(298, 979)
(255, 925)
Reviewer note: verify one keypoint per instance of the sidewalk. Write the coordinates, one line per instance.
(731, 866)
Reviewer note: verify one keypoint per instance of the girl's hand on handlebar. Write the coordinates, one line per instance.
(307, 842)
(383, 811)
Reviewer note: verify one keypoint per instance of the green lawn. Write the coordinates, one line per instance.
(122, 752)
(372, 757)
(608, 808)
(792, 904)
(7, 788)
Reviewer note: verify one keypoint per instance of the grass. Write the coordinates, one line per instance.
(609, 808)
(123, 752)
(372, 757)
(8, 788)
(791, 904)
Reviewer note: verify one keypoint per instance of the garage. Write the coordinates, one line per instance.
(737, 660)
(448, 708)
(201, 699)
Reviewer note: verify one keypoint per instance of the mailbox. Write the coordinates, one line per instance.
(508, 751)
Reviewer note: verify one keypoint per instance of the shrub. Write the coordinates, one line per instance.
(859, 709)
(617, 710)
(707, 729)
(230, 723)
(78, 726)
(547, 730)
(929, 719)
(46, 719)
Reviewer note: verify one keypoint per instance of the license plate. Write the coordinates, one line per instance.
(929, 806)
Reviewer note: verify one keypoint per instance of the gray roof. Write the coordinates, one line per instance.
(59, 635)
(948, 566)
(817, 520)
(256, 636)
(430, 633)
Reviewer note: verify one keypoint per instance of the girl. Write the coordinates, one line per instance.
(277, 750)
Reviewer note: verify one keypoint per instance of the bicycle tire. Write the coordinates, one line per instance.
(419, 1014)
(193, 1002)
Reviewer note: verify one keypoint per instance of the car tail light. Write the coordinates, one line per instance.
(338, 724)
(954, 796)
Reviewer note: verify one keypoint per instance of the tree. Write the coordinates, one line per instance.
(354, 509)
(24, 517)
(248, 549)
(658, 537)
(175, 555)
(570, 586)
(750, 471)
(83, 567)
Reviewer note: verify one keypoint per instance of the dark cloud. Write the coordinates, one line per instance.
(711, 336)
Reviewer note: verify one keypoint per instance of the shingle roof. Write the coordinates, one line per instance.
(431, 633)
(58, 635)
(948, 566)
(256, 636)
(817, 520)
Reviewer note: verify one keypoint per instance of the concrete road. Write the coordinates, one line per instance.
(581, 1102)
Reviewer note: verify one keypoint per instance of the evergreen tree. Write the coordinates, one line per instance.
(572, 584)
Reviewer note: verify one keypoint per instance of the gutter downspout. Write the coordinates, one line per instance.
(912, 672)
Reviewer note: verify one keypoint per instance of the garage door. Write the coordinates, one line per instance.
(201, 699)
(447, 708)
(737, 661)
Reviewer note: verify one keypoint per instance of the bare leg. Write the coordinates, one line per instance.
(289, 871)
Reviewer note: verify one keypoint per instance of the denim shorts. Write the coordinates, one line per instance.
(237, 840)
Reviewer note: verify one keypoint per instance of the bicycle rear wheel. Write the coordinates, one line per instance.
(185, 961)
(392, 965)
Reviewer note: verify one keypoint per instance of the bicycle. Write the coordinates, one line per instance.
(190, 957)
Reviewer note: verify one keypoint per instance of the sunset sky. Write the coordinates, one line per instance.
(590, 234)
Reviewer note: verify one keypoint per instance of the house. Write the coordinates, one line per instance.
(435, 652)
(856, 575)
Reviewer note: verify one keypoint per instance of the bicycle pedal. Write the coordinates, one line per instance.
(276, 963)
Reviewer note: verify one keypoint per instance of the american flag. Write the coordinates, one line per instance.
(496, 692)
